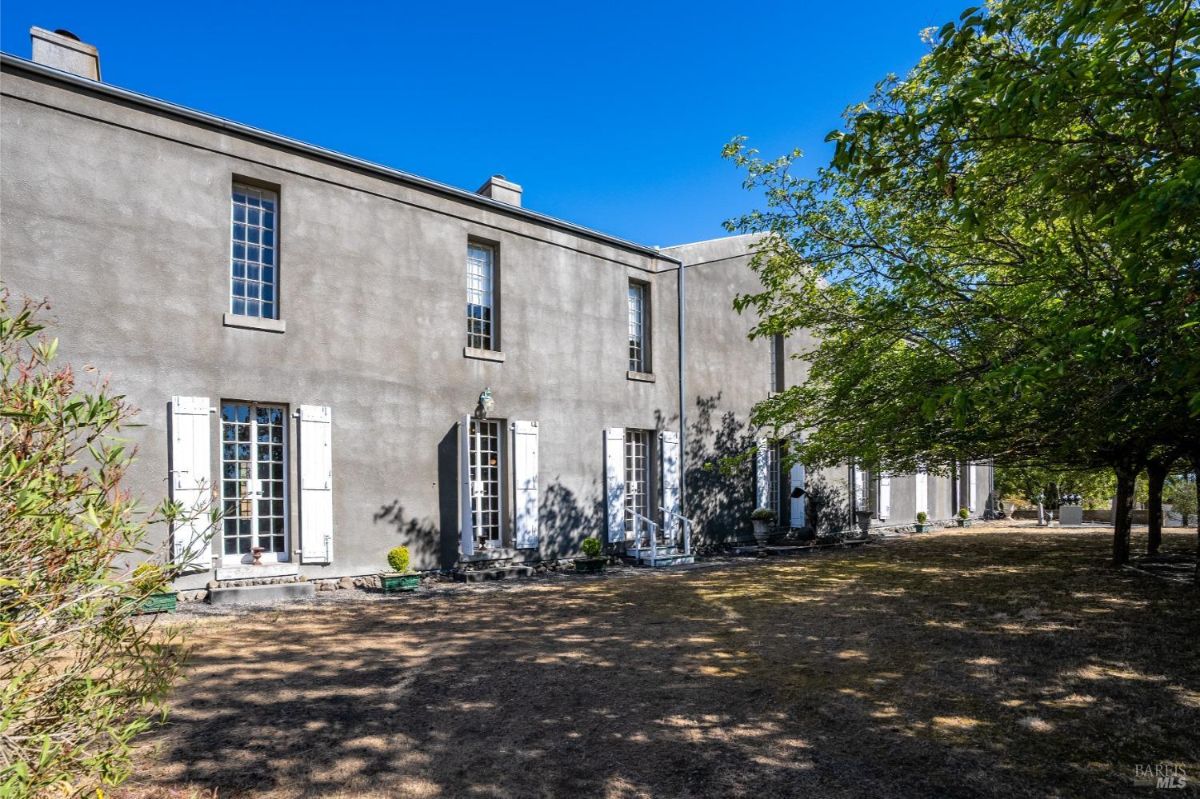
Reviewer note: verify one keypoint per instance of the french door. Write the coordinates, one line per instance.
(486, 505)
(253, 482)
(637, 477)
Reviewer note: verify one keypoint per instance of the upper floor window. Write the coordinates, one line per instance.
(481, 269)
(776, 365)
(639, 360)
(255, 279)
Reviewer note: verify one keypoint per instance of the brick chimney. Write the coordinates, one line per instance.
(498, 188)
(62, 49)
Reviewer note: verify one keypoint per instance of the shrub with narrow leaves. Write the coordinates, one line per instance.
(592, 547)
(79, 676)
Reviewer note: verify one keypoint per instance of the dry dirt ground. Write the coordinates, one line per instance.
(987, 662)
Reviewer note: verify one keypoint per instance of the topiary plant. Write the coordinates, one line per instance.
(149, 578)
(397, 558)
(592, 547)
(963, 513)
(762, 515)
(922, 517)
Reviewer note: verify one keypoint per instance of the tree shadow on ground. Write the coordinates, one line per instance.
(957, 664)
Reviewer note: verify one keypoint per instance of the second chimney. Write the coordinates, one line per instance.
(498, 188)
(62, 49)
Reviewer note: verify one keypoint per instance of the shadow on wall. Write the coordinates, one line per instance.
(828, 509)
(431, 546)
(719, 502)
(566, 520)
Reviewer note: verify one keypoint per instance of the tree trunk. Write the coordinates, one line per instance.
(1123, 513)
(1156, 473)
(1196, 472)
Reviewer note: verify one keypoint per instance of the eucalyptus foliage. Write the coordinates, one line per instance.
(1001, 259)
(80, 675)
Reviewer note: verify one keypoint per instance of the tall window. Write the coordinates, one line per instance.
(638, 360)
(774, 460)
(485, 480)
(253, 478)
(637, 475)
(255, 280)
(481, 269)
(776, 365)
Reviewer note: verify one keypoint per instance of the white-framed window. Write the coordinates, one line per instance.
(774, 461)
(862, 490)
(254, 273)
(487, 505)
(637, 475)
(481, 315)
(638, 351)
(254, 479)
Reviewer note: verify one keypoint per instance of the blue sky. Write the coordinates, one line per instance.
(611, 115)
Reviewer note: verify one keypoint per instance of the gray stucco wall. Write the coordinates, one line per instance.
(120, 218)
(119, 215)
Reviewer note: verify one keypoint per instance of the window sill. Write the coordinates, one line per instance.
(483, 355)
(641, 377)
(254, 323)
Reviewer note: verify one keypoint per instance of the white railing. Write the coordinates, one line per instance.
(685, 525)
(640, 521)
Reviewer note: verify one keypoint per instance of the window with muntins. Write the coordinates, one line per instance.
(253, 478)
(638, 362)
(481, 269)
(637, 475)
(774, 460)
(486, 481)
(254, 289)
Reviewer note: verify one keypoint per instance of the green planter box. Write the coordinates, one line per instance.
(921, 528)
(590, 565)
(159, 603)
(396, 583)
(964, 522)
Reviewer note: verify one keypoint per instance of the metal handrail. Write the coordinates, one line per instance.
(686, 523)
(638, 521)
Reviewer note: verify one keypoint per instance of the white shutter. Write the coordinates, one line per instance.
(316, 484)
(762, 474)
(614, 482)
(796, 480)
(974, 486)
(885, 496)
(191, 482)
(525, 482)
(466, 486)
(670, 481)
(921, 481)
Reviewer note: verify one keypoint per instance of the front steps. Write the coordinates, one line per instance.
(663, 557)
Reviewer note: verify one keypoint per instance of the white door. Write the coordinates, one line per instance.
(254, 482)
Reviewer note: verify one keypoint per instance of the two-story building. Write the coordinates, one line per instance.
(343, 357)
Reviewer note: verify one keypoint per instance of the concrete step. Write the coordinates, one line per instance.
(261, 594)
(661, 560)
(499, 573)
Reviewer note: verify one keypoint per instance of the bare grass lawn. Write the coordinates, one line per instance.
(987, 662)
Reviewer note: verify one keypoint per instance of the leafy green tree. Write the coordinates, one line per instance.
(79, 675)
(1096, 486)
(1180, 492)
(1001, 258)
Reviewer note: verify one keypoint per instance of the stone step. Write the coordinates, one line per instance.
(499, 573)
(264, 594)
(677, 559)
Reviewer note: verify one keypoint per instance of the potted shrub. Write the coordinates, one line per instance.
(151, 583)
(400, 578)
(591, 562)
(964, 517)
(763, 520)
(922, 522)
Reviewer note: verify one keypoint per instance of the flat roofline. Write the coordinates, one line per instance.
(9, 61)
